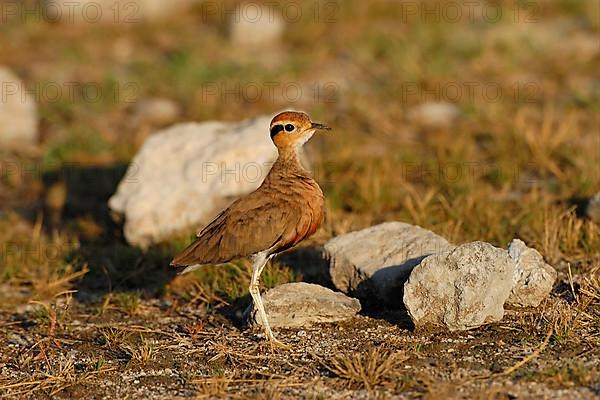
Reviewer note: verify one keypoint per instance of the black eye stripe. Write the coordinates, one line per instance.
(276, 129)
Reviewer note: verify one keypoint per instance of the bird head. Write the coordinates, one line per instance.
(291, 129)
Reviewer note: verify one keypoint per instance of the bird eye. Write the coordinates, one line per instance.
(289, 128)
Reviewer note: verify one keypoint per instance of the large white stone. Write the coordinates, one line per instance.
(18, 115)
(533, 278)
(460, 289)
(374, 263)
(185, 174)
(300, 304)
(255, 25)
(434, 113)
(155, 111)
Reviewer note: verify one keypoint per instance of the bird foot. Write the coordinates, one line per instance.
(274, 343)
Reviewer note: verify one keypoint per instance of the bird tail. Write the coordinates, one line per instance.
(188, 258)
(190, 268)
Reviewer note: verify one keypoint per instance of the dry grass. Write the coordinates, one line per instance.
(56, 313)
(140, 353)
(114, 338)
(590, 286)
(30, 257)
(59, 376)
(219, 286)
(367, 370)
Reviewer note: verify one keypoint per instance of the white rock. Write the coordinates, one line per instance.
(255, 25)
(155, 111)
(461, 289)
(377, 261)
(111, 11)
(294, 305)
(18, 115)
(533, 278)
(183, 175)
(434, 113)
(593, 208)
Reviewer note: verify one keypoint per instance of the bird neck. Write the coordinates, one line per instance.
(288, 163)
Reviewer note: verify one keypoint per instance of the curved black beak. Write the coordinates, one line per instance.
(316, 125)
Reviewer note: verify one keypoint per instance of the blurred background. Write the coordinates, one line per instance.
(478, 121)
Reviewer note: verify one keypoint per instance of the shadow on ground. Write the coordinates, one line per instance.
(581, 205)
(76, 201)
(312, 266)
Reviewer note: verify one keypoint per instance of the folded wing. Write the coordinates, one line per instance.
(250, 225)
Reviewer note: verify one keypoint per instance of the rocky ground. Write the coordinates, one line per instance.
(160, 351)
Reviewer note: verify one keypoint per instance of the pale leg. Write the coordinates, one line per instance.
(258, 264)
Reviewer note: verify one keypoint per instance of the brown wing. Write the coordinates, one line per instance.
(250, 225)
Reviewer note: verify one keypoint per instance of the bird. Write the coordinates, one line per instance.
(285, 209)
